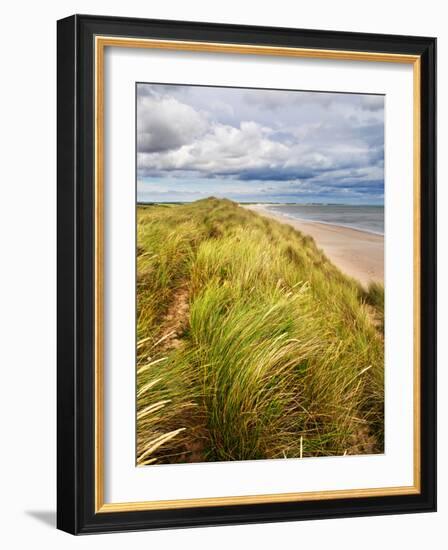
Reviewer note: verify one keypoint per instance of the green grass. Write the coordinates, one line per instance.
(251, 344)
(375, 297)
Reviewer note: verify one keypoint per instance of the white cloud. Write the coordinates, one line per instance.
(222, 149)
(165, 123)
(193, 132)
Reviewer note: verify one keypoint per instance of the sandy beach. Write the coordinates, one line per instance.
(357, 253)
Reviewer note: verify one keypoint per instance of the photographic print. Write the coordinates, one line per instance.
(260, 274)
(225, 355)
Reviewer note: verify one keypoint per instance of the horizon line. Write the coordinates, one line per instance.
(306, 203)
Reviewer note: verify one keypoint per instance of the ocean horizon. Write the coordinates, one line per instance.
(368, 218)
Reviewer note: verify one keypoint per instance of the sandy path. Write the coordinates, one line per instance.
(356, 253)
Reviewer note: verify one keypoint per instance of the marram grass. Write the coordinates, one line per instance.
(251, 344)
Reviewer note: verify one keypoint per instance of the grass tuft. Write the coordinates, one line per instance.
(251, 344)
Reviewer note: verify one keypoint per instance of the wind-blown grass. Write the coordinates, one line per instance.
(251, 344)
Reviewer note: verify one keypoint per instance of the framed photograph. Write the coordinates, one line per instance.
(246, 274)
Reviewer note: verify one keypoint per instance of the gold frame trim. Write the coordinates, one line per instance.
(101, 42)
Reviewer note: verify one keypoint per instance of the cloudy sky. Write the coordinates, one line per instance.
(259, 145)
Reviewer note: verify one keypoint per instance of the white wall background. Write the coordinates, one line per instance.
(27, 288)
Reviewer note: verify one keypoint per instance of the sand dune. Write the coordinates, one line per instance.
(356, 253)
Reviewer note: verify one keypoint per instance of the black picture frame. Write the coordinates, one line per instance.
(76, 272)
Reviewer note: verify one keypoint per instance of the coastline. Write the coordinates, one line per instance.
(358, 253)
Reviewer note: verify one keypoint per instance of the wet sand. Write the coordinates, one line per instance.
(357, 253)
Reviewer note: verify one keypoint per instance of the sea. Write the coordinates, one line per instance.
(364, 218)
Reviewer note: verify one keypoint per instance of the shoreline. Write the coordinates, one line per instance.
(357, 253)
(320, 222)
